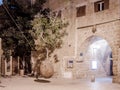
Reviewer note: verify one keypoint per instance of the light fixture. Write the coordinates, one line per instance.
(94, 29)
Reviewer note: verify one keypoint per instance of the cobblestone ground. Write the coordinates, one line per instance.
(27, 83)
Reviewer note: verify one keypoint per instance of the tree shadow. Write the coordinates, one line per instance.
(1, 86)
(42, 81)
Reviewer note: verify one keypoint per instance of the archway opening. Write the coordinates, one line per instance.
(100, 54)
(97, 56)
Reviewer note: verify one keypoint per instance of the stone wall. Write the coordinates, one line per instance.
(106, 24)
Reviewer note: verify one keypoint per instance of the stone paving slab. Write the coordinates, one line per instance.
(27, 83)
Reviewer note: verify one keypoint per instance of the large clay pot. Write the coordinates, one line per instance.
(46, 69)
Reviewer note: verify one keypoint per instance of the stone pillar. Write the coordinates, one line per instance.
(118, 77)
(1, 51)
(115, 64)
(8, 67)
(0, 57)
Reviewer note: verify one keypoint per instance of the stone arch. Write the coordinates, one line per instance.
(89, 40)
(85, 39)
(111, 44)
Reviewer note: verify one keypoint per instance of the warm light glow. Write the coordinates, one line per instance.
(98, 44)
(94, 64)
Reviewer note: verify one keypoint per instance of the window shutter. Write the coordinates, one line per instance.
(81, 11)
(106, 4)
(78, 11)
(96, 6)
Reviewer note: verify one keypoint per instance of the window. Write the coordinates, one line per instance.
(81, 11)
(101, 5)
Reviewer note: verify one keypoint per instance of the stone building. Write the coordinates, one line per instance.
(92, 46)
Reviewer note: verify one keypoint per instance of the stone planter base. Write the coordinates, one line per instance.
(21, 72)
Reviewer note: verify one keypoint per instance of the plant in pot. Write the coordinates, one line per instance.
(47, 32)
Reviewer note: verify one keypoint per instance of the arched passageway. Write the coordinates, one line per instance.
(100, 53)
(97, 57)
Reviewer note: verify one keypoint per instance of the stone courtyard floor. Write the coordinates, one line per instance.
(28, 83)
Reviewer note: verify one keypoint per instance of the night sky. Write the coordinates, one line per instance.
(0, 2)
